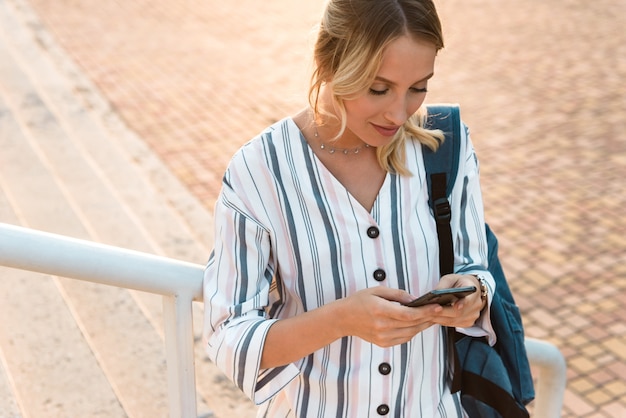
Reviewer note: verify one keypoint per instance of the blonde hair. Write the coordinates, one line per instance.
(348, 53)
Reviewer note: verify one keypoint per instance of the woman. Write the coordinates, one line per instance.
(323, 232)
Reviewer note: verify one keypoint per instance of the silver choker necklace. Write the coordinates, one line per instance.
(345, 151)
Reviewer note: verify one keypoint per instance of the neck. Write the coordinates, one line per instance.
(326, 131)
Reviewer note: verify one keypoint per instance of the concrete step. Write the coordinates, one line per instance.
(8, 399)
(50, 365)
(69, 166)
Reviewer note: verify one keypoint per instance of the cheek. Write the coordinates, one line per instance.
(415, 104)
(362, 109)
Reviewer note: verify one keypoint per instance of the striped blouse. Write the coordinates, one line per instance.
(290, 238)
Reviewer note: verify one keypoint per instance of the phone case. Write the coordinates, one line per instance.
(443, 297)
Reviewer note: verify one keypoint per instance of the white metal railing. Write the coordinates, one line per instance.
(551, 377)
(180, 283)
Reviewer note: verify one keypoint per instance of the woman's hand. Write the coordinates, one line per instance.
(464, 312)
(378, 316)
(375, 315)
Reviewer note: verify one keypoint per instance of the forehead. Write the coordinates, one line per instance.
(406, 61)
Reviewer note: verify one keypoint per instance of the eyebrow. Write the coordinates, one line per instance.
(384, 80)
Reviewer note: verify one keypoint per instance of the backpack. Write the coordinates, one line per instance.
(494, 381)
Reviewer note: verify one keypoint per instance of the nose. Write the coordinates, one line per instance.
(398, 111)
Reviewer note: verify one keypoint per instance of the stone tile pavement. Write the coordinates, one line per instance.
(542, 86)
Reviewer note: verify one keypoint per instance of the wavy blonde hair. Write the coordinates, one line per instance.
(352, 37)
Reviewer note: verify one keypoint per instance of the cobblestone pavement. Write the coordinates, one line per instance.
(542, 85)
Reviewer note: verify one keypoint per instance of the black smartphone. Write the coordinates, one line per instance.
(443, 297)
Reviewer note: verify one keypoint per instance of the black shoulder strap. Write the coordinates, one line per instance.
(441, 167)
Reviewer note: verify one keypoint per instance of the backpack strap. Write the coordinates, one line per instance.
(441, 167)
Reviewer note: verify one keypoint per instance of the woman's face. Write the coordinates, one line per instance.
(397, 92)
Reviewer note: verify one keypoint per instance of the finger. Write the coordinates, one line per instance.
(457, 318)
(417, 314)
(400, 335)
(449, 280)
(394, 295)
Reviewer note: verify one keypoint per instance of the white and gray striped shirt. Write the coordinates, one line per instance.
(290, 238)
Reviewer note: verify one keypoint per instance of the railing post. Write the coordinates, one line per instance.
(551, 380)
(181, 379)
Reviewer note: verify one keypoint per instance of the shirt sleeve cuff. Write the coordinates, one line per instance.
(482, 327)
(269, 382)
(242, 361)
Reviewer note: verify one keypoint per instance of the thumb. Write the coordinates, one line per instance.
(394, 295)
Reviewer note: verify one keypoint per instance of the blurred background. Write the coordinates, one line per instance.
(542, 87)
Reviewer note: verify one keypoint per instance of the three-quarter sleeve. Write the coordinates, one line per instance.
(237, 284)
(471, 253)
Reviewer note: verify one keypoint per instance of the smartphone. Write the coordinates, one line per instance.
(443, 297)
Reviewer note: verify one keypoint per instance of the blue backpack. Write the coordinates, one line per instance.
(494, 381)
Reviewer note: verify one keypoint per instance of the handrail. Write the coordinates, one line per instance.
(180, 283)
(98, 263)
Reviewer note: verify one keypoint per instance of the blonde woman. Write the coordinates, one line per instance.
(323, 232)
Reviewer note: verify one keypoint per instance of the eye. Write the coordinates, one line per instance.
(378, 92)
(419, 90)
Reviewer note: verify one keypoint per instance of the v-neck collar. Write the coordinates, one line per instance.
(323, 170)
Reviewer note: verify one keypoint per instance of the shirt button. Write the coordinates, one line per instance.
(384, 368)
(373, 232)
(380, 275)
(382, 409)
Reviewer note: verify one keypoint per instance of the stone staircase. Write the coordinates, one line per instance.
(68, 165)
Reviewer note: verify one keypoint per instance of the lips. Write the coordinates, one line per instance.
(386, 130)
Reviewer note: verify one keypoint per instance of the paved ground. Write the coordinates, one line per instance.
(541, 84)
